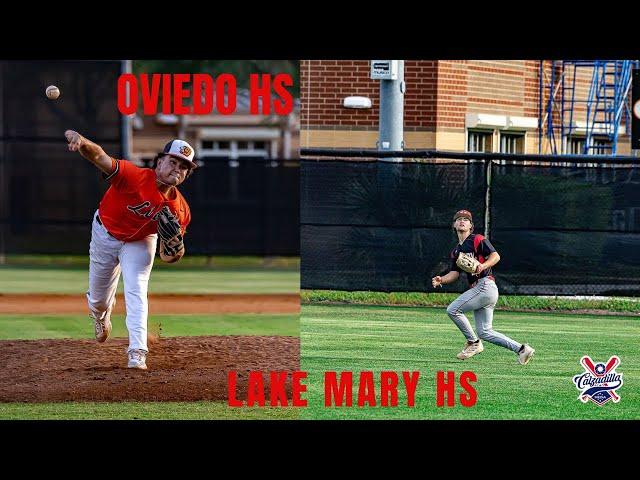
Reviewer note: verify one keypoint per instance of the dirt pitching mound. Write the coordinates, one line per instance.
(55, 304)
(180, 368)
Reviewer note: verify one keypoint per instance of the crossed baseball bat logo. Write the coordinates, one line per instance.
(611, 364)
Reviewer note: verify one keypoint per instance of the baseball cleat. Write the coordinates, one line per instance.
(137, 359)
(102, 328)
(525, 355)
(470, 349)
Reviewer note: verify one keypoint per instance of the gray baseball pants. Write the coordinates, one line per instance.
(482, 299)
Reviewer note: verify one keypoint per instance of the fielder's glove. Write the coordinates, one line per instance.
(467, 262)
(168, 229)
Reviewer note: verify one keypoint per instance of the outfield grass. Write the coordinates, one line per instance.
(629, 305)
(188, 261)
(55, 279)
(31, 327)
(141, 411)
(376, 338)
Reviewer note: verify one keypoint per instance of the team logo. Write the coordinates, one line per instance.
(185, 150)
(599, 381)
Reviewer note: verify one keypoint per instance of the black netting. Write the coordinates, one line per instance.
(389, 194)
(372, 258)
(382, 226)
(387, 226)
(47, 194)
(251, 209)
(51, 194)
(565, 230)
(87, 102)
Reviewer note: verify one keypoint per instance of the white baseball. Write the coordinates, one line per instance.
(52, 92)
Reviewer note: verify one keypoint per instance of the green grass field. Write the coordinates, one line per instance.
(56, 279)
(31, 327)
(626, 305)
(141, 411)
(376, 338)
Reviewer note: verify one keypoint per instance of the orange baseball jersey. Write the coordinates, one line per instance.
(129, 208)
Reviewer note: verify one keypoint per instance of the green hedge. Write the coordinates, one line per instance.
(505, 302)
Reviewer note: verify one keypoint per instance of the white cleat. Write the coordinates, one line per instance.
(470, 349)
(137, 359)
(102, 328)
(525, 355)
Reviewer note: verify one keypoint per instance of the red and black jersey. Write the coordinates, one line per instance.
(480, 247)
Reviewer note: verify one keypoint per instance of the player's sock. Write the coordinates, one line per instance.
(521, 348)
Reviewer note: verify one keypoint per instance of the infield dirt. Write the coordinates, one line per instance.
(179, 368)
(55, 304)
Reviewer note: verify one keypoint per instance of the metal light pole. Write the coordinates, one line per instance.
(392, 89)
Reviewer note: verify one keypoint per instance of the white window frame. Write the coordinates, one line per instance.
(598, 141)
(515, 135)
(575, 140)
(483, 132)
(234, 152)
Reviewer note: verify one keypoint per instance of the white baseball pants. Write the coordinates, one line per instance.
(107, 258)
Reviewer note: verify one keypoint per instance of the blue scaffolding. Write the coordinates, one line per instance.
(605, 107)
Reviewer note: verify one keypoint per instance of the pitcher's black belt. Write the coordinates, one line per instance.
(100, 222)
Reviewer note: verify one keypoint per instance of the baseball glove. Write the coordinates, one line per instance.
(168, 229)
(467, 262)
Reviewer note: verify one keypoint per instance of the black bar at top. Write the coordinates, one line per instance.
(373, 153)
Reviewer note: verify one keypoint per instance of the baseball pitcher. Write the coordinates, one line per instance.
(475, 256)
(140, 205)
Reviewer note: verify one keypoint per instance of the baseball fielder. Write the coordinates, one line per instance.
(140, 205)
(475, 255)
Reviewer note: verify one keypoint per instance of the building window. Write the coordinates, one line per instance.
(255, 150)
(601, 146)
(479, 141)
(576, 146)
(511, 142)
(235, 149)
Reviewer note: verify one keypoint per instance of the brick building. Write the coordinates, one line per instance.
(457, 105)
